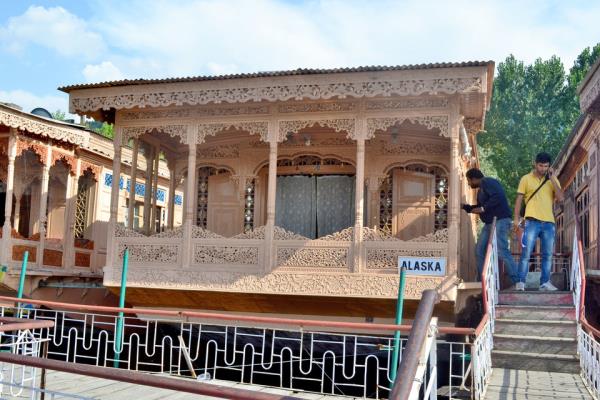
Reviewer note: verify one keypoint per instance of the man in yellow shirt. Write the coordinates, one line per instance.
(540, 189)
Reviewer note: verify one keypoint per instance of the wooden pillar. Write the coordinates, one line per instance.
(70, 210)
(6, 253)
(270, 256)
(43, 220)
(172, 187)
(359, 200)
(114, 197)
(189, 194)
(154, 189)
(454, 193)
(148, 187)
(133, 179)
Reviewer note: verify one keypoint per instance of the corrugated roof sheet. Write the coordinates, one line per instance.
(299, 71)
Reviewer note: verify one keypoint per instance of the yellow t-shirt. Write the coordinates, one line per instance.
(541, 205)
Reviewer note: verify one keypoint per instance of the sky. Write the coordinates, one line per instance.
(48, 44)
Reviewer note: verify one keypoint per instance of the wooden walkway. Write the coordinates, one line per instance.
(94, 388)
(512, 384)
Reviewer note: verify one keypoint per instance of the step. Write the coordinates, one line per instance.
(535, 362)
(535, 344)
(536, 328)
(535, 298)
(516, 384)
(553, 313)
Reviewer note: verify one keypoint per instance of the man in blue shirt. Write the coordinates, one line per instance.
(491, 202)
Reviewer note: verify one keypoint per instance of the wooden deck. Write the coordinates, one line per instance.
(94, 388)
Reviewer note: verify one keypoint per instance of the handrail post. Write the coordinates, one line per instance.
(412, 352)
(399, 312)
(118, 333)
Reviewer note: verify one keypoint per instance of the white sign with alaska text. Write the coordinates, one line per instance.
(435, 266)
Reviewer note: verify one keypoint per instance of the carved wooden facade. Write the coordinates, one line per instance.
(231, 141)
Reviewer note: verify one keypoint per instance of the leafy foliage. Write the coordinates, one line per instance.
(533, 109)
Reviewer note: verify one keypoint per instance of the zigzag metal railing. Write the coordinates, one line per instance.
(481, 350)
(240, 348)
(588, 346)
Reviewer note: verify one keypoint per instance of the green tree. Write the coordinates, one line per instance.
(59, 115)
(533, 109)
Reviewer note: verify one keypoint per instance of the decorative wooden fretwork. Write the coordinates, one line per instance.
(386, 204)
(202, 205)
(82, 204)
(309, 161)
(249, 197)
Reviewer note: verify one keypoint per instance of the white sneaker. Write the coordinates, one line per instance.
(548, 286)
(520, 286)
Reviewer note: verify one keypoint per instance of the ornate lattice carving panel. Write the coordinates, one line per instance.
(399, 104)
(201, 233)
(377, 285)
(40, 150)
(255, 234)
(194, 112)
(431, 122)
(318, 107)
(226, 255)
(259, 128)
(150, 253)
(282, 92)
(282, 234)
(408, 148)
(320, 258)
(176, 233)
(222, 151)
(387, 259)
(338, 125)
(46, 129)
(175, 131)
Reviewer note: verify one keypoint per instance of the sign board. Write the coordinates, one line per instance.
(430, 266)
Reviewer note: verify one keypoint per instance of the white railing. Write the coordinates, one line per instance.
(588, 347)
(425, 383)
(577, 275)
(19, 380)
(326, 362)
(481, 350)
(589, 359)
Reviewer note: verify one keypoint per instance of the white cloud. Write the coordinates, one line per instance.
(105, 71)
(28, 101)
(54, 28)
(215, 37)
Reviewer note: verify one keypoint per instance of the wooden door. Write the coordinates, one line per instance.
(224, 210)
(413, 204)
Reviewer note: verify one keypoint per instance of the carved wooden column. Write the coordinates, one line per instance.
(270, 255)
(154, 189)
(114, 197)
(70, 209)
(6, 252)
(148, 187)
(172, 187)
(189, 194)
(43, 219)
(133, 179)
(359, 194)
(454, 192)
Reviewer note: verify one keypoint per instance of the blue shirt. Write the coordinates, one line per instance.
(492, 198)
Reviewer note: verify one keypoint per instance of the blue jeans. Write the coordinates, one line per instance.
(503, 228)
(545, 231)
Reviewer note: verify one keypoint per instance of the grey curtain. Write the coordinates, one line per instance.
(335, 203)
(296, 205)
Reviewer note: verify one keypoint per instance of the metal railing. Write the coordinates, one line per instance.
(21, 338)
(306, 355)
(588, 347)
(483, 344)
